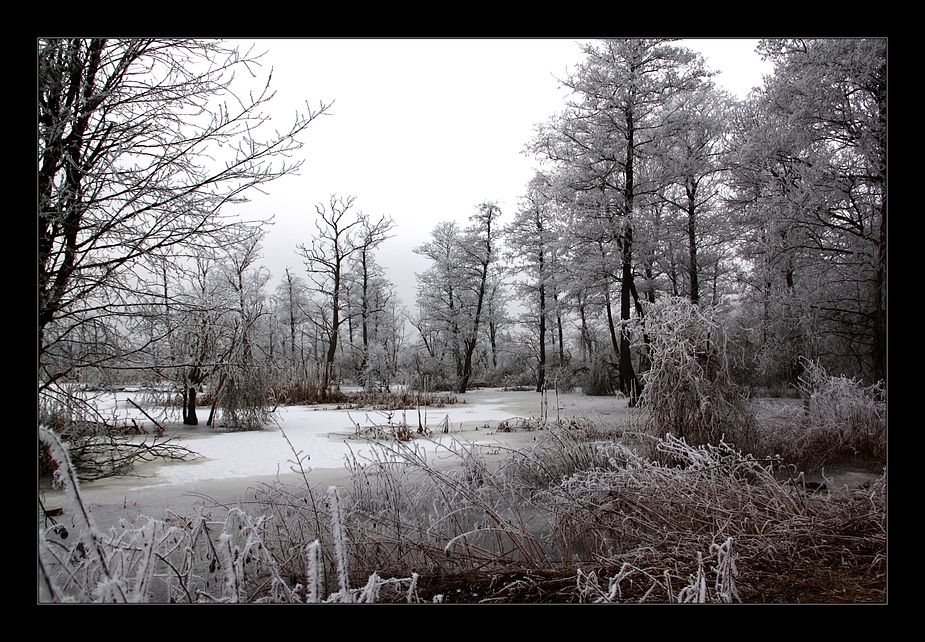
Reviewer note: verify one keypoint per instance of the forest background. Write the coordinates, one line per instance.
(651, 183)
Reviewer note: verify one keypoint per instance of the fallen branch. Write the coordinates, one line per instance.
(160, 428)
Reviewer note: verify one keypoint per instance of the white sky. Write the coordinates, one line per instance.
(424, 130)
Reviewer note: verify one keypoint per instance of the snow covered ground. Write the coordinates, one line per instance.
(234, 463)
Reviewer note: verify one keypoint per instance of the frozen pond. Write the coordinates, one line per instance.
(232, 463)
(327, 435)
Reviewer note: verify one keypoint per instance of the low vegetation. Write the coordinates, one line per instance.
(587, 512)
(101, 446)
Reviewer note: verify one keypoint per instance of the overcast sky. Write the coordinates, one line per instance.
(424, 130)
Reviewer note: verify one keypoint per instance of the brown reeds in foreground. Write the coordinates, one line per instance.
(583, 514)
(581, 517)
(840, 422)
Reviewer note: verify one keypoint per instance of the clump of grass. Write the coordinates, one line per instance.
(841, 422)
(566, 447)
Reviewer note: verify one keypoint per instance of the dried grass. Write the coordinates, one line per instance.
(580, 515)
(841, 422)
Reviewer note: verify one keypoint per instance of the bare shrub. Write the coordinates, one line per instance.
(100, 446)
(841, 421)
(306, 391)
(457, 516)
(405, 400)
(688, 391)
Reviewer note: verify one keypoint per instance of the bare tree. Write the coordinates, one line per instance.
(341, 235)
(291, 309)
(143, 143)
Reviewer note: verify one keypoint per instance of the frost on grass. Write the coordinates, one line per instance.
(841, 421)
(688, 391)
(197, 559)
(582, 514)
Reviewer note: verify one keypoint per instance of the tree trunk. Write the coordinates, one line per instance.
(613, 333)
(328, 370)
(473, 338)
(627, 376)
(629, 385)
(693, 269)
(541, 367)
(560, 332)
(189, 407)
(217, 396)
(880, 324)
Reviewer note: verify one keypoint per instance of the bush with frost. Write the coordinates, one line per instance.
(688, 391)
(842, 421)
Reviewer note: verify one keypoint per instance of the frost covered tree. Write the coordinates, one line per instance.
(291, 305)
(453, 293)
(691, 157)
(533, 242)
(611, 125)
(372, 301)
(143, 144)
(243, 392)
(208, 333)
(439, 299)
(809, 182)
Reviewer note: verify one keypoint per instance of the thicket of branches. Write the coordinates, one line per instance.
(144, 144)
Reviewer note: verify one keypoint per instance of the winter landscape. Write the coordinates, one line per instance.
(631, 348)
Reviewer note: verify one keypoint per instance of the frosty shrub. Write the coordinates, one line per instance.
(403, 511)
(656, 525)
(599, 379)
(842, 421)
(688, 391)
(204, 558)
(246, 400)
